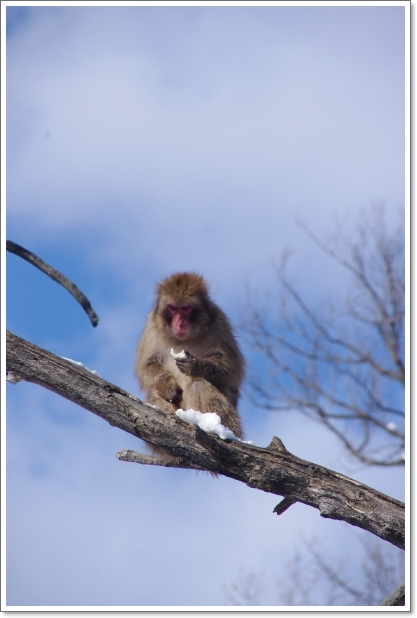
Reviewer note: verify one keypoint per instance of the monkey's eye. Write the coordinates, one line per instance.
(172, 309)
(186, 309)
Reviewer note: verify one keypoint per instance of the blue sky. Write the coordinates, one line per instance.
(144, 140)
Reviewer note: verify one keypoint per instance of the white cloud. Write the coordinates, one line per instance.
(287, 125)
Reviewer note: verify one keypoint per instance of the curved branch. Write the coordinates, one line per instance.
(56, 276)
(272, 469)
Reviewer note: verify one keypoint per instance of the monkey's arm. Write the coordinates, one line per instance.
(155, 380)
(215, 367)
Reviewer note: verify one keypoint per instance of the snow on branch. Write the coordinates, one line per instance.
(209, 422)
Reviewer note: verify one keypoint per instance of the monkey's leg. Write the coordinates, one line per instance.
(159, 452)
(155, 399)
(201, 395)
(165, 393)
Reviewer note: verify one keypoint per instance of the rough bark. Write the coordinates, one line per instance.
(272, 469)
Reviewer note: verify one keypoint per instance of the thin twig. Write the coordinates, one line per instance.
(148, 460)
(56, 276)
(338, 579)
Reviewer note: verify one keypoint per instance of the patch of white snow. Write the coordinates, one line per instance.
(181, 354)
(209, 422)
(80, 365)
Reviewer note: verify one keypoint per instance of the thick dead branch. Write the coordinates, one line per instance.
(272, 469)
(56, 276)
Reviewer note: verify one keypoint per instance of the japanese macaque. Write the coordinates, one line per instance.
(208, 375)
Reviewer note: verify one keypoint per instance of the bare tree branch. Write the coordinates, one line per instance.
(338, 580)
(56, 276)
(249, 590)
(358, 268)
(343, 365)
(272, 469)
(316, 578)
(378, 575)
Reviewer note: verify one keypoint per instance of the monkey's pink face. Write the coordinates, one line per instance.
(180, 320)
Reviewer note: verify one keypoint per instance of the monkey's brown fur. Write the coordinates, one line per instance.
(209, 378)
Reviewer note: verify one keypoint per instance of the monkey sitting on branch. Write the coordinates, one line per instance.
(188, 356)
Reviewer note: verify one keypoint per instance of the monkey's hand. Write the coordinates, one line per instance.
(190, 365)
(168, 389)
